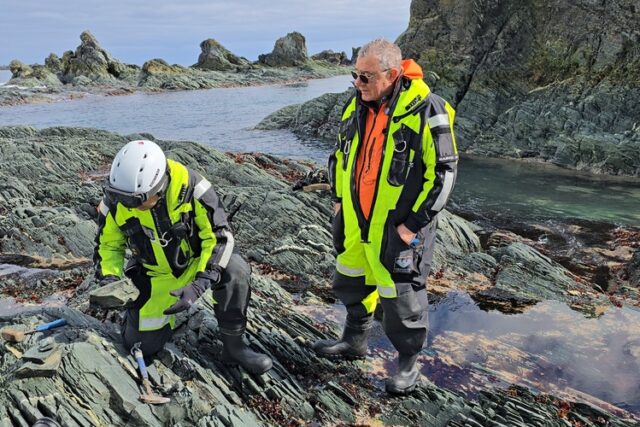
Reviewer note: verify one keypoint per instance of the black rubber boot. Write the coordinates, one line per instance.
(404, 382)
(352, 345)
(236, 352)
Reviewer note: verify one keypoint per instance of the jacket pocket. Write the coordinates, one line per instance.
(396, 256)
(404, 140)
(337, 231)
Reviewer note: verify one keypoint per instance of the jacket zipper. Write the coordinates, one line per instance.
(354, 182)
(368, 144)
(362, 221)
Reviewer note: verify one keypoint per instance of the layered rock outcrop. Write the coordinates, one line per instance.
(81, 375)
(526, 84)
(90, 61)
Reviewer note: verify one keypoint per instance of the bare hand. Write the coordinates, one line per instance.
(405, 234)
(336, 208)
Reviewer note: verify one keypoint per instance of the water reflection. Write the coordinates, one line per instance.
(549, 348)
(501, 190)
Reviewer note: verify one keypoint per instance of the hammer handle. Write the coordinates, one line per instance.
(51, 325)
(141, 365)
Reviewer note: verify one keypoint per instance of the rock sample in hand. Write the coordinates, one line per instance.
(289, 51)
(114, 295)
(216, 57)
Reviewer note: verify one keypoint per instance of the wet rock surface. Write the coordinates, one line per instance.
(49, 186)
(527, 85)
(92, 69)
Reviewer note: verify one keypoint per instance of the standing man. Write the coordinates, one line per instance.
(392, 172)
(181, 245)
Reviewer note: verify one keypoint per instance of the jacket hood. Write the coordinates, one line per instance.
(411, 69)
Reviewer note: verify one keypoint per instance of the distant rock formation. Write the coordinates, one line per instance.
(332, 57)
(289, 51)
(92, 69)
(31, 76)
(20, 70)
(216, 57)
(160, 66)
(354, 54)
(91, 61)
(54, 64)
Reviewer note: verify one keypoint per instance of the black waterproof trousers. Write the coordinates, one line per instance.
(405, 319)
(232, 296)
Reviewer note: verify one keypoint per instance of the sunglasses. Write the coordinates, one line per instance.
(366, 77)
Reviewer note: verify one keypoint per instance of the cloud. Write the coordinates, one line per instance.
(136, 31)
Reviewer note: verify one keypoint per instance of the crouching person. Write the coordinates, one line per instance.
(171, 219)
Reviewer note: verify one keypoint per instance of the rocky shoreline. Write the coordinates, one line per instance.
(90, 69)
(524, 83)
(49, 187)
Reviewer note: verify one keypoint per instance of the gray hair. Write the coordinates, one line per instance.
(388, 53)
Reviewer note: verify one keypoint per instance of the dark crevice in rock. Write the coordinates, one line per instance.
(483, 56)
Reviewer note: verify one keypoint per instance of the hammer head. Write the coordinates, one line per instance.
(154, 399)
(12, 335)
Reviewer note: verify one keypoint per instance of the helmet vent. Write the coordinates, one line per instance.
(145, 156)
(141, 169)
(118, 165)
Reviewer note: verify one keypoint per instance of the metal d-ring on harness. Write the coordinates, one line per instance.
(180, 230)
(347, 147)
(162, 241)
(402, 143)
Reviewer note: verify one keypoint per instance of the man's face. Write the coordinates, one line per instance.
(380, 81)
(151, 202)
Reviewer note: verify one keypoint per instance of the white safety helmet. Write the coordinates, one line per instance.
(138, 172)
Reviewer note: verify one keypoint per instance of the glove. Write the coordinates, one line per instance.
(107, 280)
(214, 275)
(188, 294)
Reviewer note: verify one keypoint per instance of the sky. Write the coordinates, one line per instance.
(134, 31)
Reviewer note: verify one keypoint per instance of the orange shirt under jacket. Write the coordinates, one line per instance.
(370, 157)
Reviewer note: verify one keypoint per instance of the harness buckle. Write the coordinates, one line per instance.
(402, 144)
(162, 241)
(347, 147)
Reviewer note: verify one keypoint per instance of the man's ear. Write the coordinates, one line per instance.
(394, 73)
